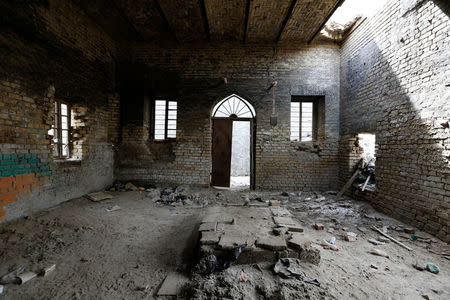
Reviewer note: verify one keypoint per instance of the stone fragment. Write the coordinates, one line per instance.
(130, 187)
(410, 230)
(284, 221)
(172, 284)
(311, 255)
(293, 228)
(209, 238)
(319, 226)
(299, 241)
(274, 203)
(350, 236)
(375, 242)
(208, 226)
(383, 239)
(272, 243)
(280, 230)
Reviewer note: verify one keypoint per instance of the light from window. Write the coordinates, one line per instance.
(165, 119)
(301, 121)
(60, 131)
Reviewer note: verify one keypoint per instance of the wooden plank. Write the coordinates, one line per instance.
(391, 238)
(350, 181)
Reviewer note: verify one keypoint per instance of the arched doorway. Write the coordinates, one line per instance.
(233, 128)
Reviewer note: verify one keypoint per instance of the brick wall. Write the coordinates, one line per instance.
(395, 82)
(193, 75)
(53, 52)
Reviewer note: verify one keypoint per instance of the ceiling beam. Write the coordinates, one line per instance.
(247, 13)
(163, 16)
(286, 19)
(336, 6)
(205, 20)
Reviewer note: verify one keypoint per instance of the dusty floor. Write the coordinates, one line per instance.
(126, 254)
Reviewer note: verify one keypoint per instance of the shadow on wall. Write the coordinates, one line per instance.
(396, 88)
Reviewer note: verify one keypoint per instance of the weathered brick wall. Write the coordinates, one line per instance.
(395, 72)
(193, 75)
(53, 52)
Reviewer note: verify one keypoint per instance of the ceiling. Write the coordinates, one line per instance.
(185, 21)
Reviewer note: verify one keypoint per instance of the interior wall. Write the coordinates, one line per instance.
(395, 83)
(51, 50)
(193, 75)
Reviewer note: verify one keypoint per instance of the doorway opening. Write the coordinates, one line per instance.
(233, 127)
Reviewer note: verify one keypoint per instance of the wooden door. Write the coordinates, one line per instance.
(221, 152)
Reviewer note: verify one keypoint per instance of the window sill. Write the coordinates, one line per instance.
(68, 162)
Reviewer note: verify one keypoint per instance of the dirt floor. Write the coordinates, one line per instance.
(127, 253)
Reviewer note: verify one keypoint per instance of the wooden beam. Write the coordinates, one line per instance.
(336, 6)
(163, 16)
(247, 13)
(286, 19)
(205, 20)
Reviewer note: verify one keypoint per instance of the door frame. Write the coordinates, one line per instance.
(252, 146)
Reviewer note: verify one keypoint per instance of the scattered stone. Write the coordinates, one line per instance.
(154, 195)
(98, 196)
(383, 239)
(350, 237)
(410, 230)
(130, 187)
(319, 226)
(274, 203)
(280, 230)
(299, 242)
(272, 243)
(143, 288)
(374, 266)
(327, 245)
(379, 252)
(330, 230)
(362, 229)
(208, 226)
(293, 228)
(142, 189)
(372, 241)
(243, 277)
(25, 276)
(209, 238)
(114, 208)
(433, 268)
(47, 270)
(172, 284)
(284, 221)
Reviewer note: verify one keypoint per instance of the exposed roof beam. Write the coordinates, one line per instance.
(163, 16)
(336, 6)
(247, 13)
(286, 19)
(205, 19)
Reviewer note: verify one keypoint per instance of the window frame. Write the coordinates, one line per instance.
(57, 130)
(166, 119)
(315, 113)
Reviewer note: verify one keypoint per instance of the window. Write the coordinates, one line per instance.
(61, 130)
(165, 120)
(303, 120)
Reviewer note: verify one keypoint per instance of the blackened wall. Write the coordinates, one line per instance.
(193, 75)
(395, 82)
(51, 50)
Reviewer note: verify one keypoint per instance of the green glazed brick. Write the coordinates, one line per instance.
(27, 156)
(33, 156)
(6, 156)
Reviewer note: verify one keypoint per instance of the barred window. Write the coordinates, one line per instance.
(61, 130)
(165, 120)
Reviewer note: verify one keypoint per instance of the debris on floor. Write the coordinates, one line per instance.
(172, 284)
(114, 208)
(98, 196)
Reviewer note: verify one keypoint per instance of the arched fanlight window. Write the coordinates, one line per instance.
(235, 107)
